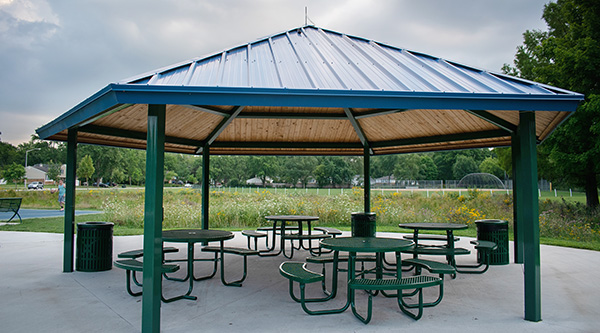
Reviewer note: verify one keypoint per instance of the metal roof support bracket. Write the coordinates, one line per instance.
(358, 129)
(221, 127)
(487, 116)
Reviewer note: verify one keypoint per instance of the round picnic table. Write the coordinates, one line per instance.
(191, 237)
(282, 220)
(448, 227)
(353, 245)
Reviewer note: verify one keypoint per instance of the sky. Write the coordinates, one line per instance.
(56, 53)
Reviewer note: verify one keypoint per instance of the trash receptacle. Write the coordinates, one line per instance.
(363, 224)
(94, 246)
(494, 231)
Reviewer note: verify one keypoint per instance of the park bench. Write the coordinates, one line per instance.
(329, 231)
(417, 282)
(134, 265)
(134, 254)
(441, 238)
(231, 250)
(432, 267)
(297, 272)
(484, 248)
(11, 205)
(255, 234)
(327, 259)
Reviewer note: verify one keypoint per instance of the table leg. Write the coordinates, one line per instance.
(189, 276)
(269, 252)
(416, 240)
(283, 223)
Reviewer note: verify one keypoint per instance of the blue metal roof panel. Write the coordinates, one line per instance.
(314, 58)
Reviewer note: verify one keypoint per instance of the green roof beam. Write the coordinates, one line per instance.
(497, 121)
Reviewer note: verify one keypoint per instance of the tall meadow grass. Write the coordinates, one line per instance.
(182, 208)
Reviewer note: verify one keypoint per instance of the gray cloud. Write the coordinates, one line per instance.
(55, 54)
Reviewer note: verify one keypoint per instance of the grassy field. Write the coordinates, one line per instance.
(563, 221)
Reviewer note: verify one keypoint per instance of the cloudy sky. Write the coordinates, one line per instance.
(56, 53)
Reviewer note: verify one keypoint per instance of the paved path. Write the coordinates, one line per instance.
(37, 213)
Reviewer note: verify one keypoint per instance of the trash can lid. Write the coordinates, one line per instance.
(491, 221)
(362, 213)
(94, 224)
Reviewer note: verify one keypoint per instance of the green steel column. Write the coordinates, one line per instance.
(153, 216)
(529, 214)
(205, 185)
(70, 201)
(517, 229)
(367, 180)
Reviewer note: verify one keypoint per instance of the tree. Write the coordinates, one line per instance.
(568, 56)
(263, 167)
(14, 172)
(299, 169)
(490, 165)
(54, 172)
(105, 159)
(86, 168)
(463, 166)
(407, 167)
(170, 175)
(333, 171)
(8, 154)
(384, 166)
(428, 170)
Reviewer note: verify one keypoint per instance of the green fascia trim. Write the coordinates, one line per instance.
(103, 130)
(291, 115)
(300, 145)
(442, 138)
(503, 124)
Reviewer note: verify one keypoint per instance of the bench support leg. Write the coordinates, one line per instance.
(404, 306)
(129, 277)
(237, 283)
(473, 269)
(302, 300)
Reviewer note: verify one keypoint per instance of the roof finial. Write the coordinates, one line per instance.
(306, 18)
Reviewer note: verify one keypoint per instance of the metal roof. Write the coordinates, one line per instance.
(314, 91)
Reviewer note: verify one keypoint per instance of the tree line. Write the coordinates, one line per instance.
(127, 166)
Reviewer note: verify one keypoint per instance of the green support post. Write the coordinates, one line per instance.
(205, 185)
(153, 216)
(69, 237)
(367, 180)
(528, 213)
(517, 230)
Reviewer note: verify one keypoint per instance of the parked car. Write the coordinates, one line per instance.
(100, 185)
(35, 186)
(188, 185)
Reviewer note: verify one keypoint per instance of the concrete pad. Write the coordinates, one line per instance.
(36, 296)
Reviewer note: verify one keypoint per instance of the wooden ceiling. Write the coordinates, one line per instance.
(309, 131)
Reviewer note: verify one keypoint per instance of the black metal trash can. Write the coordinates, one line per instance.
(94, 246)
(363, 224)
(494, 231)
